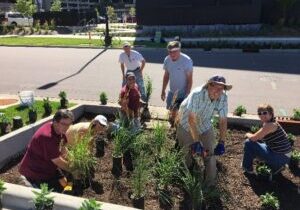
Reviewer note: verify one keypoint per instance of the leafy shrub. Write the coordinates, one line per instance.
(52, 25)
(295, 155)
(62, 95)
(46, 26)
(90, 204)
(159, 136)
(291, 138)
(42, 200)
(47, 106)
(2, 188)
(148, 87)
(296, 114)
(103, 98)
(269, 201)
(4, 119)
(122, 141)
(240, 110)
(140, 177)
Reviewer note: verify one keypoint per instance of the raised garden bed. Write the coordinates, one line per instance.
(238, 192)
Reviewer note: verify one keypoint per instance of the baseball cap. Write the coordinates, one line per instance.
(219, 80)
(130, 74)
(101, 119)
(126, 44)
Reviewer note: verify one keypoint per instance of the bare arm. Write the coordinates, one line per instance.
(261, 133)
(143, 63)
(60, 162)
(189, 79)
(223, 128)
(164, 86)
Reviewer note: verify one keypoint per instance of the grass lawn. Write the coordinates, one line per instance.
(17, 110)
(45, 41)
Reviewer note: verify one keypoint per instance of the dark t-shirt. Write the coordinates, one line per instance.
(133, 96)
(44, 146)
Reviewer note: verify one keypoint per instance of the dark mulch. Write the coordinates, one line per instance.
(238, 191)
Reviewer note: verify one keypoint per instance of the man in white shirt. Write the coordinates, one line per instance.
(134, 62)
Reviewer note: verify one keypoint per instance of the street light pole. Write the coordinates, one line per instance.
(107, 38)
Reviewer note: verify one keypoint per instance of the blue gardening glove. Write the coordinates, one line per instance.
(220, 148)
(196, 148)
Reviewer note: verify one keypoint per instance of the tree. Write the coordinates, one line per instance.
(25, 7)
(56, 6)
(286, 5)
(132, 13)
(112, 17)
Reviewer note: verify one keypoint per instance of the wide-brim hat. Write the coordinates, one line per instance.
(217, 79)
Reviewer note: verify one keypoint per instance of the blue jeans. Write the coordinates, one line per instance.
(261, 150)
(139, 81)
(180, 97)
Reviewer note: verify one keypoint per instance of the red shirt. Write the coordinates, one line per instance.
(133, 97)
(44, 146)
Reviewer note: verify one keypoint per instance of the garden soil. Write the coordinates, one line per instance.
(237, 190)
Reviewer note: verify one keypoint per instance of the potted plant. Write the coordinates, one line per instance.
(32, 114)
(2, 188)
(295, 159)
(139, 179)
(5, 124)
(159, 136)
(81, 163)
(291, 138)
(269, 202)
(42, 200)
(90, 204)
(264, 172)
(100, 145)
(240, 110)
(145, 114)
(63, 99)
(103, 98)
(47, 106)
(17, 122)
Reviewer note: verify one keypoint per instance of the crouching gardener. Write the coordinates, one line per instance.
(195, 132)
(43, 159)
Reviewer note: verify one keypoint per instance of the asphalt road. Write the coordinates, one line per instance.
(268, 76)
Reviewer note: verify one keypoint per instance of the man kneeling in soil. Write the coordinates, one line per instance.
(43, 161)
(195, 132)
(130, 102)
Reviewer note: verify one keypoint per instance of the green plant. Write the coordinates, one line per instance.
(2, 188)
(62, 95)
(148, 88)
(42, 200)
(46, 26)
(254, 128)
(159, 136)
(140, 177)
(295, 155)
(52, 25)
(103, 98)
(80, 157)
(37, 25)
(296, 114)
(4, 119)
(47, 106)
(240, 110)
(269, 201)
(263, 169)
(122, 141)
(291, 138)
(55, 6)
(90, 204)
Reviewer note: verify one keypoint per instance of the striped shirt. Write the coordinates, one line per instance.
(278, 141)
(198, 102)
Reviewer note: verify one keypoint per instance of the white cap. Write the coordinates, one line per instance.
(101, 119)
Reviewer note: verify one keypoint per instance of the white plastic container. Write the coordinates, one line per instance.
(26, 98)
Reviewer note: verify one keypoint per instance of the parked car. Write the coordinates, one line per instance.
(15, 19)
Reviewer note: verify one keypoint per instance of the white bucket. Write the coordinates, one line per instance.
(26, 98)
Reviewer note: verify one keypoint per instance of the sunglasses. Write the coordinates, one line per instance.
(262, 113)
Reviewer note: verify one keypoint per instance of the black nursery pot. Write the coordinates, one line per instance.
(32, 115)
(265, 177)
(100, 151)
(48, 111)
(145, 115)
(78, 186)
(164, 204)
(17, 122)
(294, 164)
(127, 161)
(117, 166)
(44, 207)
(138, 203)
(5, 128)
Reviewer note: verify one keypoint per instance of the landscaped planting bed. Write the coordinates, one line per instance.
(236, 190)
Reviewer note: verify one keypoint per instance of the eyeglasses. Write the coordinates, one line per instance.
(262, 113)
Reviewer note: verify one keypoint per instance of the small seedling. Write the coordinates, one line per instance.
(254, 128)
(295, 155)
(269, 201)
(2, 188)
(90, 204)
(296, 114)
(148, 88)
(240, 110)
(47, 106)
(103, 98)
(63, 99)
(291, 138)
(42, 200)
(263, 170)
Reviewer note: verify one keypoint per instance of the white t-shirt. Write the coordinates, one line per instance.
(132, 61)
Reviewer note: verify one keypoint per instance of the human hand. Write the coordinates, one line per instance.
(220, 148)
(163, 95)
(197, 149)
